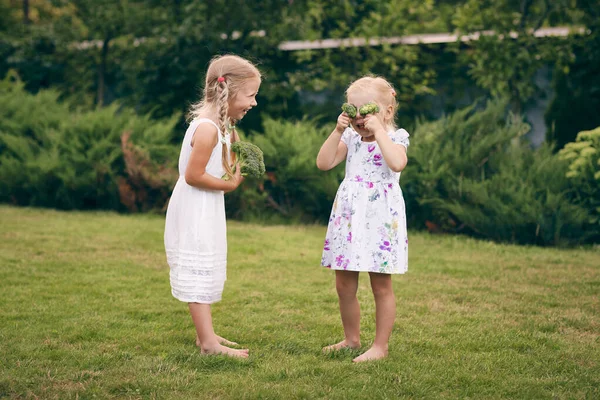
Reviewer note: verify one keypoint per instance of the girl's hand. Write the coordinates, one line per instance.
(343, 122)
(235, 180)
(373, 125)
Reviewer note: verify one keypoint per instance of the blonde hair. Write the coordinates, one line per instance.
(386, 95)
(225, 76)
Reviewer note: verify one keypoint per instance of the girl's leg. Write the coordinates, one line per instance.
(385, 314)
(346, 284)
(208, 341)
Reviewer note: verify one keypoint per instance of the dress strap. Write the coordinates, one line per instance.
(199, 121)
(210, 121)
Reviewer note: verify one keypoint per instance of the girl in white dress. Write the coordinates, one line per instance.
(367, 227)
(195, 230)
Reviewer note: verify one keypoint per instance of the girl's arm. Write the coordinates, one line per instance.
(204, 140)
(334, 150)
(393, 154)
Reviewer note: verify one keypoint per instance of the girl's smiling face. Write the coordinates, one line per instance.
(244, 99)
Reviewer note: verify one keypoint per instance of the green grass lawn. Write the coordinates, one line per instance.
(86, 312)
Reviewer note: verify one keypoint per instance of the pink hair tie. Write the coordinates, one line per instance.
(221, 79)
(393, 93)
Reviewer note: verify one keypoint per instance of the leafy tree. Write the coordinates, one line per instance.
(329, 71)
(506, 58)
(576, 102)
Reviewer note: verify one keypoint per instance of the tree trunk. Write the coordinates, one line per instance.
(26, 20)
(525, 4)
(102, 72)
(177, 7)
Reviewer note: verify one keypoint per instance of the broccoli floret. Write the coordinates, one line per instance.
(250, 157)
(349, 109)
(369, 108)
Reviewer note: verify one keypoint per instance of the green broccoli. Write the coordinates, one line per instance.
(369, 108)
(349, 109)
(250, 157)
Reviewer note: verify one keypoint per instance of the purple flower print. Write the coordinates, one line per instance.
(371, 148)
(385, 246)
(358, 178)
(346, 262)
(337, 221)
(339, 260)
(326, 246)
(390, 185)
(369, 185)
(377, 159)
(349, 237)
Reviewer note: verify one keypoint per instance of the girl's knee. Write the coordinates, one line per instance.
(382, 285)
(346, 289)
(346, 284)
(382, 291)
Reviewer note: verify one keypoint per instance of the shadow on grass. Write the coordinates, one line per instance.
(193, 359)
(342, 354)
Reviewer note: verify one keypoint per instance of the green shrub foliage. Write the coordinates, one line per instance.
(52, 155)
(293, 189)
(472, 172)
(583, 158)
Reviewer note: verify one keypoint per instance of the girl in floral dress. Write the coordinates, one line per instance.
(367, 227)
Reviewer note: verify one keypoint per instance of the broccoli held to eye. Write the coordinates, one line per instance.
(250, 159)
(349, 109)
(369, 108)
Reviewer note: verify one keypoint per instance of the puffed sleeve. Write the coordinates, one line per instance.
(347, 136)
(401, 137)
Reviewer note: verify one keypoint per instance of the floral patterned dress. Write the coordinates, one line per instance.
(367, 227)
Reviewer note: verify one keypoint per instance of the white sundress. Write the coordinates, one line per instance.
(367, 226)
(195, 229)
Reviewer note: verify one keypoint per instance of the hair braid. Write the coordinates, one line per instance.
(222, 105)
(223, 122)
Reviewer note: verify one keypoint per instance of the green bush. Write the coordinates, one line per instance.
(472, 172)
(293, 188)
(52, 155)
(583, 158)
(522, 202)
(469, 172)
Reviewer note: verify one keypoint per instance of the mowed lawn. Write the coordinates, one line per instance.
(86, 312)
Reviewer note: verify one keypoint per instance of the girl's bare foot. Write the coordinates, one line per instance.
(344, 344)
(227, 351)
(220, 339)
(374, 353)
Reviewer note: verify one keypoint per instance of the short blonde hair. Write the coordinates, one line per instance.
(385, 93)
(225, 76)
